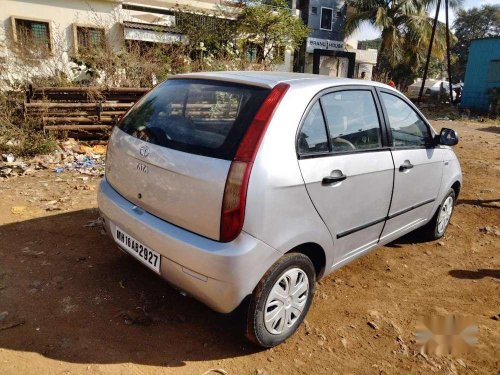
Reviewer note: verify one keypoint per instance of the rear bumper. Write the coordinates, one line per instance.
(218, 274)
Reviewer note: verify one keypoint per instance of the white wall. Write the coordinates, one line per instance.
(61, 15)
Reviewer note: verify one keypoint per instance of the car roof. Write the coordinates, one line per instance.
(271, 79)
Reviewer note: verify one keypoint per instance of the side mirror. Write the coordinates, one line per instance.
(448, 137)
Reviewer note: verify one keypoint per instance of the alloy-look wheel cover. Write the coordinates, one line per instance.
(286, 301)
(445, 215)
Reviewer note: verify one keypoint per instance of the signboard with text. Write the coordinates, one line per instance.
(327, 44)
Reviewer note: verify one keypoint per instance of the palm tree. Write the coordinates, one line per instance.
(405, 28)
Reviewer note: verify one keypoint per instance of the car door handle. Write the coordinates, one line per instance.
(328, 180)
(404, 167)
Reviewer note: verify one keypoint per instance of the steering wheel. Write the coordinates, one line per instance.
(147, 134)
(344, 142)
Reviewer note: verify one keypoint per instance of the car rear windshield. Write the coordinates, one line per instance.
(203, 117)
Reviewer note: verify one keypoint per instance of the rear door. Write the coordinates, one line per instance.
(171, 153)
(418, 166)
(347, 167)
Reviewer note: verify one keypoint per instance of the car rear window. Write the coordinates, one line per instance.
(203, 117)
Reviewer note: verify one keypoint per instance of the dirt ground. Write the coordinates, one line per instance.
(70, 302)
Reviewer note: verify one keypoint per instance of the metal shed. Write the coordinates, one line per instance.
(482, 75)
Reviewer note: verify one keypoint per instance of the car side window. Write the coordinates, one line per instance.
(352, 120)
(312, 136)
(407, 128)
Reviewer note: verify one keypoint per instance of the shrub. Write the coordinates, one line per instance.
(20, 136)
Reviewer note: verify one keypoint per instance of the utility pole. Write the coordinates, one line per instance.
(429, 51)
(448, 50)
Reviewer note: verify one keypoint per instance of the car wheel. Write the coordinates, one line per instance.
(281, 300)
(436, 228)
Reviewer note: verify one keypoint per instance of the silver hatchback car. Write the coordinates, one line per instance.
(251, 184)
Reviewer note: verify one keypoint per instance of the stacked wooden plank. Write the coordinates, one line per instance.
(80, 108)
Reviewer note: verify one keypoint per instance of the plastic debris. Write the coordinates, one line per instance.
(9, 158)
(70, 156)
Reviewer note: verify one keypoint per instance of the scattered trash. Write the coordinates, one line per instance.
(11, 169)
(9, 158)
(70, 156)
(3, 315)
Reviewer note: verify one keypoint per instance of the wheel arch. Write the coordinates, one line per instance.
(456, 186)
(316, 253)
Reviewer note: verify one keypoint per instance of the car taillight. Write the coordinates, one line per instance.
(235, 192)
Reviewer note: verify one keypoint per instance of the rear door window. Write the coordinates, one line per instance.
(312, 136)
(352, 120)
(202, 117)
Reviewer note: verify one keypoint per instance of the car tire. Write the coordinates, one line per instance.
(282, 297)
(436, 228)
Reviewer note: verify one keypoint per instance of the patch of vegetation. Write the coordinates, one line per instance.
(20, 136)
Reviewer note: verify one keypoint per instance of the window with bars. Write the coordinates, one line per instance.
(89, 38)
(33, 35)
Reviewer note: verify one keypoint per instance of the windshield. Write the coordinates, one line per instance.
(202, 117)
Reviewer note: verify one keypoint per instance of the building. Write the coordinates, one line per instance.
(482, 76)
(60, 29)
(327, 51)
(63, 29)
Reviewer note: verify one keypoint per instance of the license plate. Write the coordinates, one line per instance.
(144, 254)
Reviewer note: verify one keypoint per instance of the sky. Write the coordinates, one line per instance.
(368, 32)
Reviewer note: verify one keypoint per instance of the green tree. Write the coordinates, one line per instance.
(271, 26)
(473, 24)
(206, 33)
(370, 44)
(413, 56)
(405, 28)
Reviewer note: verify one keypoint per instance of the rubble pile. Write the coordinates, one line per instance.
(70, 156)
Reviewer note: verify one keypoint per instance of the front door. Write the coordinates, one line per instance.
(418, 167)
(347, 169)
